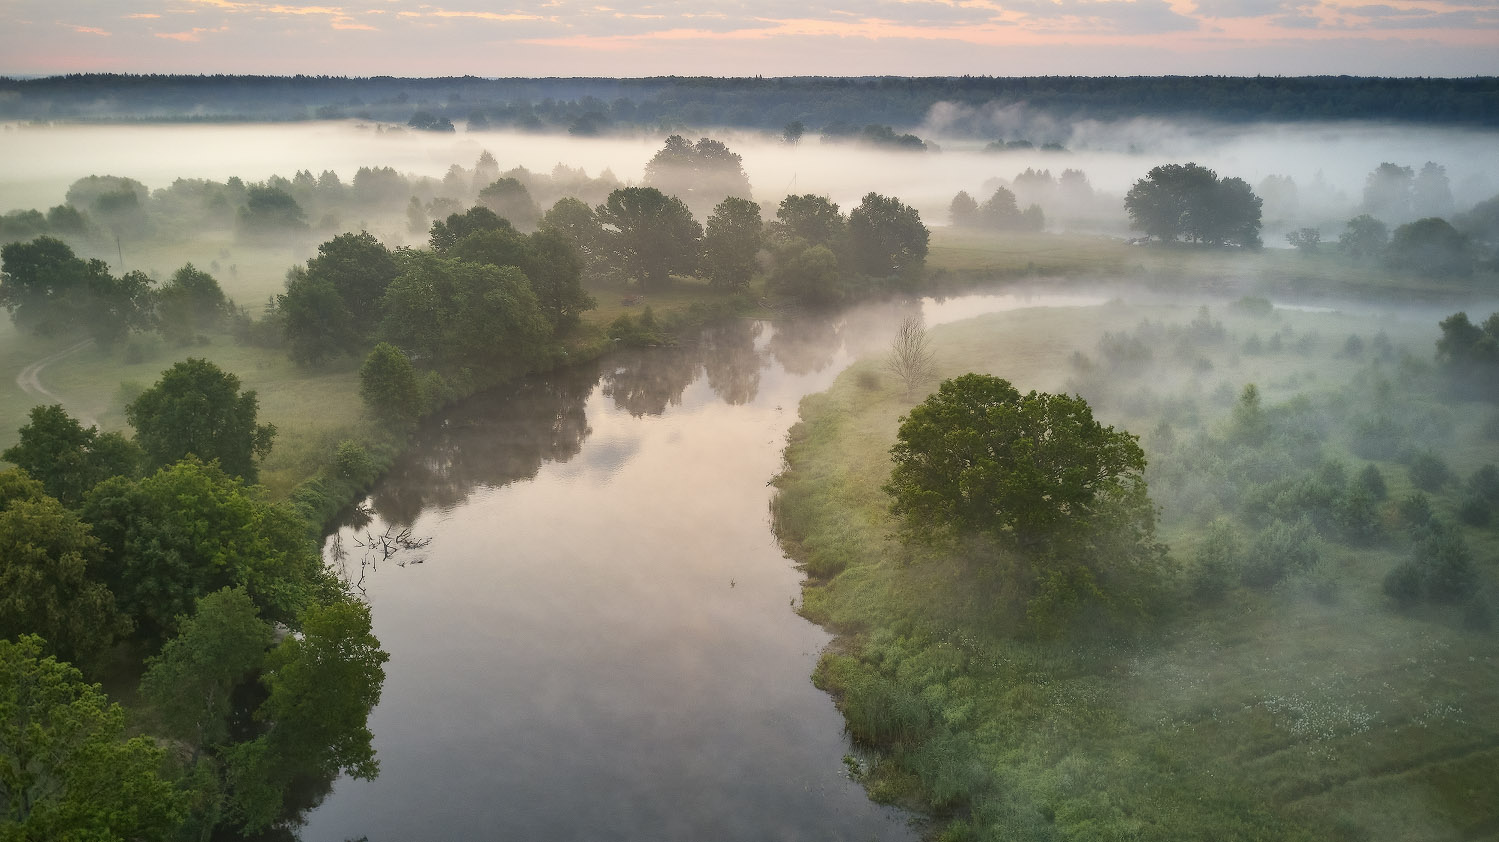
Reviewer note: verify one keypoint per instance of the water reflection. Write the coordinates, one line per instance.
(491, 440)
(645, 381)
(732, 361)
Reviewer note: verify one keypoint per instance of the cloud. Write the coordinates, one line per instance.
(143, 16)
(192, 34)
(87, 30)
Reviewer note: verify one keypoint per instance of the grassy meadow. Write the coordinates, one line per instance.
(1311, 707)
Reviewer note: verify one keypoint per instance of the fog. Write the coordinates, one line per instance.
(1327, 162)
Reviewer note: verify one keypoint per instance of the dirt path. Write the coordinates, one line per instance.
(30, 378)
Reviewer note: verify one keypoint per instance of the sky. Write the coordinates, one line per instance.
(752, 37)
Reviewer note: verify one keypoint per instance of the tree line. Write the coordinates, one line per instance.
(764, 103)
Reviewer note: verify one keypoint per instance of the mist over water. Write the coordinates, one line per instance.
(1329, 162)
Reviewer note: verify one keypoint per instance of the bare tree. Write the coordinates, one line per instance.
(911, 359)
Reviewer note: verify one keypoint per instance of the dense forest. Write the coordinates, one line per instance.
(829, 104)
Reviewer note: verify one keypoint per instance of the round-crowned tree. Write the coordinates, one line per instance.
(1036, 474)
(197, 409)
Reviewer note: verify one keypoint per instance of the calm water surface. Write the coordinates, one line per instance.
(599, 641)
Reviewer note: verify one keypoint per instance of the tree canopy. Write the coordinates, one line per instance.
(49, 290)
(732, 241)
(1189, 202)
(650, 233)
(191, 529)
(67, 458)
(197, 409)
(887, 237)
(1029, 469)
(66, 770)
(1038, 475)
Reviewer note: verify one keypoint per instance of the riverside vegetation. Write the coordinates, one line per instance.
(1321, 660)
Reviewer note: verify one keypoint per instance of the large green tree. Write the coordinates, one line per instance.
(1038, 475)
(190, 303)
(1189, 202)
(887, 237)
(197, 409)
(650, 234)
(49, 569)
(455, 313)
(190, 682)
(67, 458)
(732, 240)
(49, 290)
(322, 685)
(389, 387)
(191, 529)
(1028, 469)
(702, 173)
(815, 219)
(66, 770)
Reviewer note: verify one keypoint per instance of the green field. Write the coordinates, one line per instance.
(1313, 709)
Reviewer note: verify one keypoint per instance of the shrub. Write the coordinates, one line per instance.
(1427, 471)
(1415, 510)
(1279, 549)
(1474, 510)
(1371, 481)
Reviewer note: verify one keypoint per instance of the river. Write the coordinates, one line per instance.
(599, 639)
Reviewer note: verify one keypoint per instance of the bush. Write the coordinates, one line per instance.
(1279, 549)
(1485, 483)
(1415, 510)
(1218, 558)
(1371, 481)
(1428, 472)
(1474, 510)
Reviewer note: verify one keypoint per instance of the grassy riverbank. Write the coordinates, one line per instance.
(1307, 708)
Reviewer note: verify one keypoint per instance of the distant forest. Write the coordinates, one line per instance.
(829, 105)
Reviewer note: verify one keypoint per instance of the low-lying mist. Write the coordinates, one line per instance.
(1327, 164)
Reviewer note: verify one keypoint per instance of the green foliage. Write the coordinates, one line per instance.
(452, 314)
(1187, 201)
(189, 683)
(315, 321)
(1219, 558)
(50, 291)
(1431, 246)
(322, 686)
(190, 303)
(1371, 482)
(66, 458)
(197, 409)
(359, 268)
(1038, 474)
(1031, 469)
(512, 202)
(887, 237)
(649, 234)
(731, 242)
(66, 771)
(191, 529)
(49, 574)
(702, 173)
(1364, 238)
(1279, 550)
(388, 385)
(1427, 471)
(1440, 568)
(270, 211)
(813, 219)
(808, 273)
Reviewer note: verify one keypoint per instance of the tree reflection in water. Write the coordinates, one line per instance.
(489, 441)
